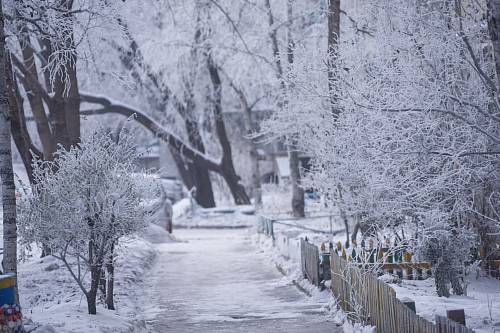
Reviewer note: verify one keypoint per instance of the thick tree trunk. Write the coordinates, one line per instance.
(6, 171)
(20, 133)
(72, 106)
(68, 98)
(59, 116)
(34, 97)
(227, 167)
(204, 194)
(92, 299)
(233, 182)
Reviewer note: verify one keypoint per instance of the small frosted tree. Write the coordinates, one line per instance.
(446, 251)
(82, 204)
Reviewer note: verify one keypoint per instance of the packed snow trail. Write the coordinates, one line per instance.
(217, 281)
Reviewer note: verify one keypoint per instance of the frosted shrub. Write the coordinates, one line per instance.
(447, 251)
(82, 204)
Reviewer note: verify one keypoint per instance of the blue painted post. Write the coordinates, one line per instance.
(10, 312)
(7, 289)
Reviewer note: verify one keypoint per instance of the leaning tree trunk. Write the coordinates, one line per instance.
(35, 100)
(193, 174)
(6, 171)
(227, 167)
(176, 144)
(20, 133)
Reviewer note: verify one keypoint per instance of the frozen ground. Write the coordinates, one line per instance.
(217, 281)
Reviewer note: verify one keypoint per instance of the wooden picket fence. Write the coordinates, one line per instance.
(365, 298)
(385, 260)
(359, 293)
(310, 262)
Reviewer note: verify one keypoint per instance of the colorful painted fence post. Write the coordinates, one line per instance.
(10, 312)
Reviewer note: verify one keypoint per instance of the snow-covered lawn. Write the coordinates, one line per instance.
(52, 302)
(481, 305)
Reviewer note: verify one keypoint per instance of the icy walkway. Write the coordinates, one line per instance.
(216, 281)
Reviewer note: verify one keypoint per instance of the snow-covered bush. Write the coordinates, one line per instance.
(447, 251)
(82, 204)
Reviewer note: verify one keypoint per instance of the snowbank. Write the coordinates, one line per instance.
(156, 234)
(52, 302)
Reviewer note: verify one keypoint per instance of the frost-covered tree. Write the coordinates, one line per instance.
(83, 203)
(45, 38)
(9, 262)
(415, 131)
(177, 92)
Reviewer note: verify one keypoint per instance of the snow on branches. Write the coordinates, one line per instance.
(415, 141)
(54, 29)
(83, 203)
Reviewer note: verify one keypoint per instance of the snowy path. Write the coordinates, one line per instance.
(218, 282)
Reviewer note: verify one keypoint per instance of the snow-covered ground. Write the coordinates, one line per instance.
(290, 268)
(481, 305)
(187, 216)
(220, 280)
(52, 301)
(216, 280)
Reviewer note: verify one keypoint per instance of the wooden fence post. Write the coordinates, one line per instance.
(456, 315)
